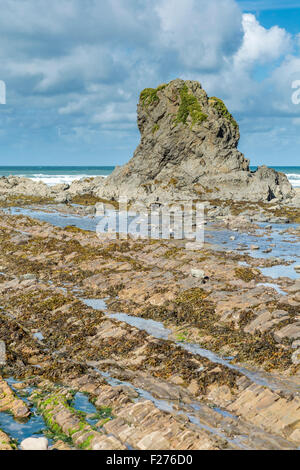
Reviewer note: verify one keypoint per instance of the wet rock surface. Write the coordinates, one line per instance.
(5, 442)
(40, 443)
(218, 370)
(9, 402)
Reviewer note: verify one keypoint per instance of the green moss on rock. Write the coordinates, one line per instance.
(53, 405)
(189, 106)
(219, 105)
(149, 96)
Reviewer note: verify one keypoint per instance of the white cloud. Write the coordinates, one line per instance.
(261, 45)
(111, 114)
(203, 33)
(84, 63)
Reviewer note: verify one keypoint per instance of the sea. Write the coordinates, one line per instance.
(52, 175)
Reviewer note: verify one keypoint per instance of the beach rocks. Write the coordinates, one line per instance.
(198, 273)
(116, 361)
(291, 331)
(5, 443)
(277, 414)
(9, 402)
(296, 361)
(62, 198)
(20, 239)
(2, 353)
(264, 322)
(40, 443)
(188, 150)
(15, 186)
(28, 277)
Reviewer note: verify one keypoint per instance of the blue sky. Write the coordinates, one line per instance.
(74, 70)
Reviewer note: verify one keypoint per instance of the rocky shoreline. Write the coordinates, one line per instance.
(203, 341)
(188, 151)
(153, 344)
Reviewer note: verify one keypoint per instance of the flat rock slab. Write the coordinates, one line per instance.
(5, 443)
(40, 443)
(10, 403)
(291, 331)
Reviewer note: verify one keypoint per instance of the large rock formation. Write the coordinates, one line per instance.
(14, 186)
(188, 149)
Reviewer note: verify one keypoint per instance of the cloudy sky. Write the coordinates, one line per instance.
(74, 70)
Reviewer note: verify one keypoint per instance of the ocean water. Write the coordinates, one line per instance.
(52, 175)
(292, 172)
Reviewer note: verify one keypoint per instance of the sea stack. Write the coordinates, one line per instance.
(189, 150)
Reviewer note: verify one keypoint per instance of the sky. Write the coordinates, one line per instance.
(73, 71)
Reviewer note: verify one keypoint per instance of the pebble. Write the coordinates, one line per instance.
(198, 273)
(32, 443)
(28, 277)
(296, 357)
(20, 239)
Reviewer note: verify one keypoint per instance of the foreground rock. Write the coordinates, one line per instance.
(14, 188)
(10, 403)
(40, 443)
(5, 443)
(189, 150)
(58, 344)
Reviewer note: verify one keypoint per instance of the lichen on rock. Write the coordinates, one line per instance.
(219, 105)
(189, 106)
(149, 96)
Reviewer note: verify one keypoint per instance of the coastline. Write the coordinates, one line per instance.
(222, 322)
(182, 331)
(149, 229)
(66, 175)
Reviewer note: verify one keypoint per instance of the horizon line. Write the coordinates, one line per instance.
(113, 166)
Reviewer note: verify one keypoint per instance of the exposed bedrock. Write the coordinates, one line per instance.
(189, 149)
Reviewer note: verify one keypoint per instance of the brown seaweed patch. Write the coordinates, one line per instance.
(90, 200)
(246, 274)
